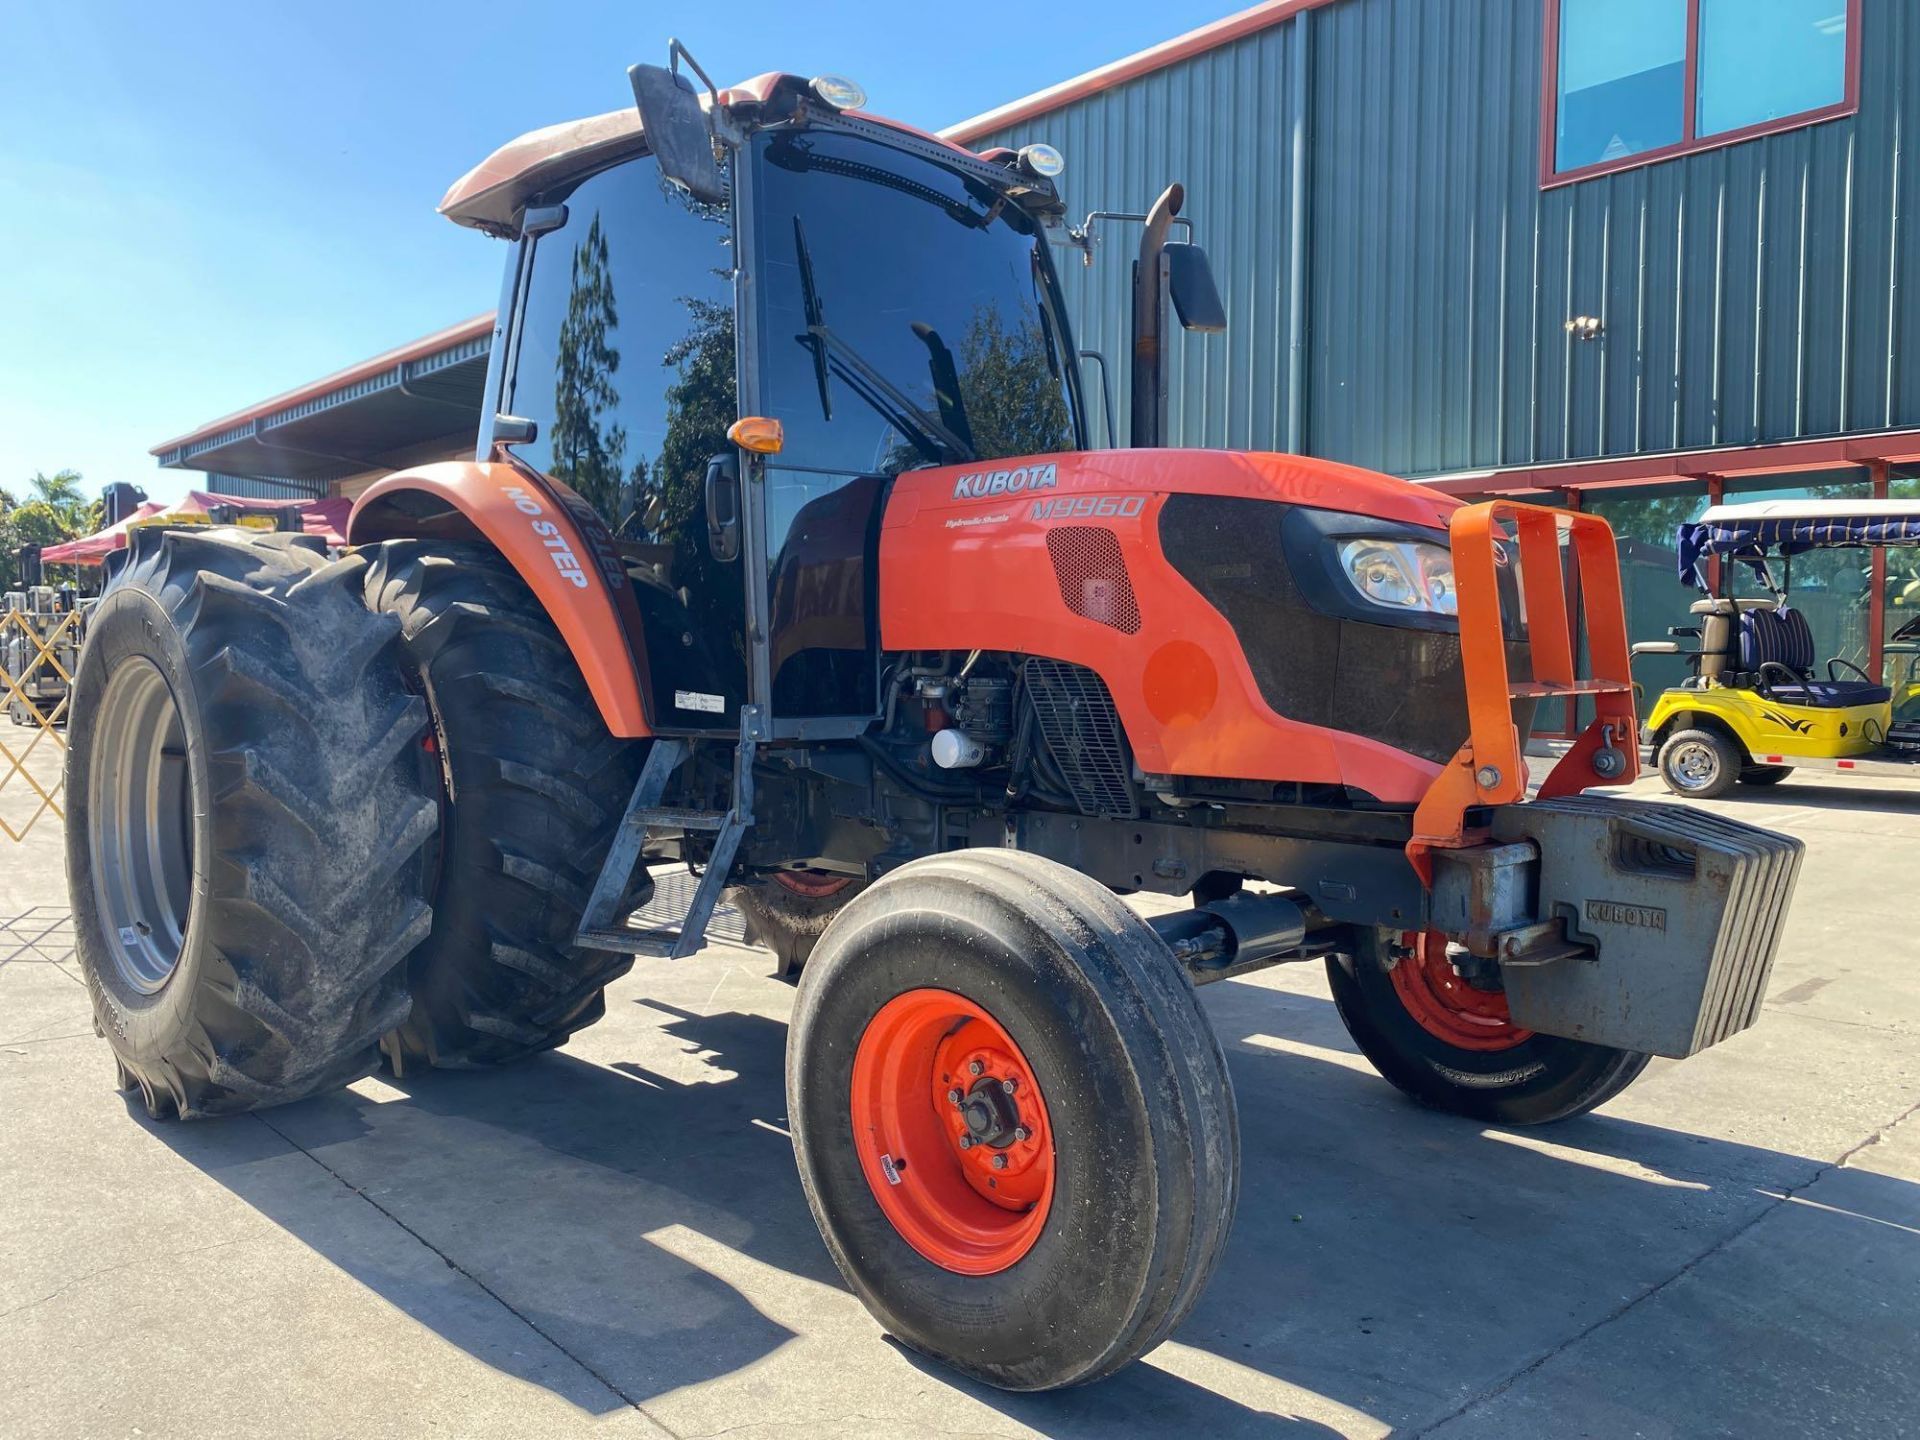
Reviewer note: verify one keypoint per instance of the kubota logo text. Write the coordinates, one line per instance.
(551, 540)
(1005, 482)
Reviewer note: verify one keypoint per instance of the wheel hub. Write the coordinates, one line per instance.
(952, 1131)
(140, 826)
(989, 1112)
(1467, 1013)
(1695, 766)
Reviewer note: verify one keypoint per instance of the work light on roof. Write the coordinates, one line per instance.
(838, 91)
(1043, 160)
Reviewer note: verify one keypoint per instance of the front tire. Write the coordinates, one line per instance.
(1119, 1137)
(1700, 764)
(249, 822)
(1765, 774)
(533, 789)
(1452, 1047)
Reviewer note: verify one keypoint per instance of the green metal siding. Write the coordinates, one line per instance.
(1218, 123)
(1763, 291)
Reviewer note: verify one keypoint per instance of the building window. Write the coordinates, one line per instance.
(1633, 81)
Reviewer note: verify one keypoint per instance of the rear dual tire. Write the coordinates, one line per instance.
(532, 790)
(1130, 1166)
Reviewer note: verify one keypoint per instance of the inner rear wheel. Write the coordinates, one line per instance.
(941, 1092)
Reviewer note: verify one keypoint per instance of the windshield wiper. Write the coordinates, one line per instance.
(946, 383)
(889, 401)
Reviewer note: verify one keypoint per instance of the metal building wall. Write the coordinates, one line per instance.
(1760, 292)
(1219, 124)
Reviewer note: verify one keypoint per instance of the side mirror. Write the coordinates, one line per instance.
(514, 430)
(677, 132)
(1196, 299)
(723, 507)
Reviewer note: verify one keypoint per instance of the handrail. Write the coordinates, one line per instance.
(1488, 768)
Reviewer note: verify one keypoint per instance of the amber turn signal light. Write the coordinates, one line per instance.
(758, 434)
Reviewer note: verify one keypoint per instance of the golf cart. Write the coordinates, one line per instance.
(1754, 708)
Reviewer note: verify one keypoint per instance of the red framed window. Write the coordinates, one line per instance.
(1629, 82)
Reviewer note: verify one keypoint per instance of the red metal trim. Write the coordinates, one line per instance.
(1896, 447)
(388, 359)
(1689, 78)
(1691, 143)
(1142, 62)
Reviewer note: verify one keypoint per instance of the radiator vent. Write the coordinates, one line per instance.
(1093, 576)
(1082, 733)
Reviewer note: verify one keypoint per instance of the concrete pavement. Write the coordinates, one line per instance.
(612, 1240)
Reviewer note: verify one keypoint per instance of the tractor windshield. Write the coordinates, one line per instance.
(906, 314)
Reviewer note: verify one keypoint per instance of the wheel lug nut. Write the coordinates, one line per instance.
(975, 1067)
(999, 1162)
(1009, 1086)
(1020, 1132)
(953, 1097)
(966, 1142)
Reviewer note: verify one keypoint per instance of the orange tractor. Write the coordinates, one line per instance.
(785, 557)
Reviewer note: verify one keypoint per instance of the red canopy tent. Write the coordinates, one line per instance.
(325, 518)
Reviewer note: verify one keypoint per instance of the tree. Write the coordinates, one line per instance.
(588, 443)
(58, 512)
(61, 490)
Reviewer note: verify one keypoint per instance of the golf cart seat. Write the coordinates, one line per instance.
(1776, 639)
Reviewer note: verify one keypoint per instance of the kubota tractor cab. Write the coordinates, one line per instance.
(785, 556)
(1759, 703)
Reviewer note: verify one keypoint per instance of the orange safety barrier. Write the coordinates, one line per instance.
(1488, 768)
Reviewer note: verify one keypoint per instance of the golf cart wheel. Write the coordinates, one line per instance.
(1765, 774)
(248, 837)
(1700, 764)
(1451, 1045)
(790, 910)
(532, 790)
(1013, 1122)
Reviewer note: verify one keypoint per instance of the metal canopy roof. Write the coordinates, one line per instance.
(353, 420)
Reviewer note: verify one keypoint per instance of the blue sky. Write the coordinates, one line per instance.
(204, 203)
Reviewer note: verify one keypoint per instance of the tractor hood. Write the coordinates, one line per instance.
(984, 486)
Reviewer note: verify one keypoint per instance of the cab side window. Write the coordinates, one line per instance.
(624, 360)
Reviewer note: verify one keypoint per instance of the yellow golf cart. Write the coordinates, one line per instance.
(1754, 708)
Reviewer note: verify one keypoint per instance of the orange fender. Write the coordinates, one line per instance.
(552, 538)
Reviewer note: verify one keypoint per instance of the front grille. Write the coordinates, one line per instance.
(1396, 684)
(1081, 730)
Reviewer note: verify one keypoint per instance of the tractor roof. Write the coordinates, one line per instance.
(489, 196)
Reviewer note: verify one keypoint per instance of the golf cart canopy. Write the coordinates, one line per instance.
(1753, 531)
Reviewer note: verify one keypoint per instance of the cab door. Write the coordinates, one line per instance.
(622, 354)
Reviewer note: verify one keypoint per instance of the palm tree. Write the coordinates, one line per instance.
(61, 490)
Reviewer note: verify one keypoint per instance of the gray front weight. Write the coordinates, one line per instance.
(1638, 925)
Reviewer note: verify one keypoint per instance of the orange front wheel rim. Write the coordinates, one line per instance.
(952, 1132)
(1446, 1006)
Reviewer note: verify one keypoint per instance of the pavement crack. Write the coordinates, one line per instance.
(70, 1283)
(462, 1271)
(1784, 1195)
(44, 1039)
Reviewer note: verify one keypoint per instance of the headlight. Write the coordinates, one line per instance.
(1401, 574)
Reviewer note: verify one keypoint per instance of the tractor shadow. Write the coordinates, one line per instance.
(647, 1221)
